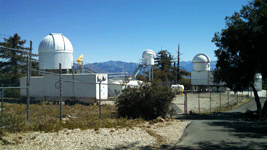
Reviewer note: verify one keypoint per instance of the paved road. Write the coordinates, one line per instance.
(227, 130)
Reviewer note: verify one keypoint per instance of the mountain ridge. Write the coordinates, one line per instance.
(130, 67)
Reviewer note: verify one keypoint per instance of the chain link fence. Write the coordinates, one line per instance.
(210, 101)
(15, 64)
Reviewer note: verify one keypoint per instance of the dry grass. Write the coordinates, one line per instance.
(227, 107)
(46, 118)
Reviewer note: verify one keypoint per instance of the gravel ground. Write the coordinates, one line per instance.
(163, 133)
(202, 100)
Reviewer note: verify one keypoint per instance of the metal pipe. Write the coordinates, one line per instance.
(22, 87)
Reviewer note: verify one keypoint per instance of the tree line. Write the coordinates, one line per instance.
(166, 70)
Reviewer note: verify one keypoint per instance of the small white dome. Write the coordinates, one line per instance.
(258, 76)
(201, 58)
(149, 56)
(54, 49)
(201, 62)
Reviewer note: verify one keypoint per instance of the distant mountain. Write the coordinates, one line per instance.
(119, 66)
(91, 67)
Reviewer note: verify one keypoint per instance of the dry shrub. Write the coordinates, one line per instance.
(148, 101)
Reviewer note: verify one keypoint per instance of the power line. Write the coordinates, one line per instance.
(16, 49)
(8, 36)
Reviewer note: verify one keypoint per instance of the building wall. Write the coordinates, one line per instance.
(86, 86)
(202, 78)
(37, 88)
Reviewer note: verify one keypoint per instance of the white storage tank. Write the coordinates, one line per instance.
(149, 56)
(54, 49)
(201, 62)
(258, 81)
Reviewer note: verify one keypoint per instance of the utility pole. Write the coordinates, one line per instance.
(178, 61)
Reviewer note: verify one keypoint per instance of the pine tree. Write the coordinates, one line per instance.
(241, 47)
(11, 67)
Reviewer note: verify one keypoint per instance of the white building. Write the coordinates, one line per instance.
(201, 76)
(84, 89)
(54, 49)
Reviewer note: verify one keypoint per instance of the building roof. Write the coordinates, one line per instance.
(55, 42)
(201, 58)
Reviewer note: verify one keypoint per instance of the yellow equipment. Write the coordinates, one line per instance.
(79, 60)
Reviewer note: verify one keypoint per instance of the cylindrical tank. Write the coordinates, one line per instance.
(201, 62)
(54, 49)
(149, 56)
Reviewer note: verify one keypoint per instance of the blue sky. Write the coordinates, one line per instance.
(104, 30)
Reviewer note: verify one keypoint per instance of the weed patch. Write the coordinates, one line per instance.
(45, 118)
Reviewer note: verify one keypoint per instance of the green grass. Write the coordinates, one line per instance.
(46, 118)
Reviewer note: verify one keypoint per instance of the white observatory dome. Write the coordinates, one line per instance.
(149, 56)
(54, 49)
(201, 62)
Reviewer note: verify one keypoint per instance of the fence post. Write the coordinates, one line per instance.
(228, 98)
(210, 101)
(2, 102)
(29, 57)
(185, 102)
(100, 98)
(60, 96)
(237, 96)
(73, 89)
(198, 103)
(220, 99)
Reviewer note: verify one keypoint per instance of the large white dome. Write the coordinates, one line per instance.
(201, 62)
(54, 49)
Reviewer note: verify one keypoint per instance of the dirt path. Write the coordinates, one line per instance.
(226, 130)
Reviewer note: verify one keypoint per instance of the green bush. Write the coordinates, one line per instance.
(148, 101)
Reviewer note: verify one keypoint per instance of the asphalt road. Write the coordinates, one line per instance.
(227, 130)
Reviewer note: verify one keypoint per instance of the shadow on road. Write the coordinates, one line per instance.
(239, 123)
(224, 146)
(240, 126)
(203, 146)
